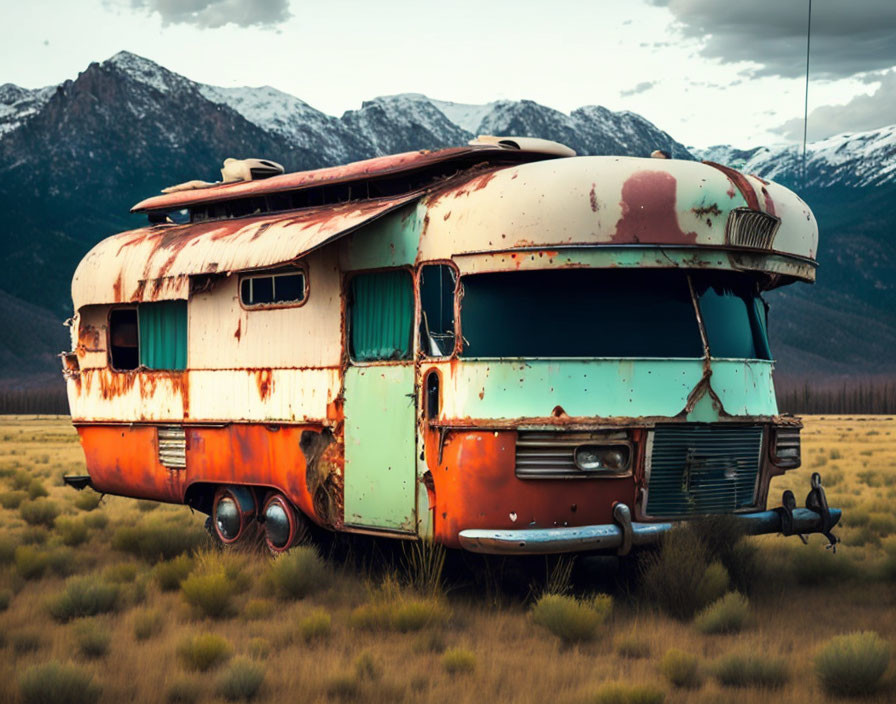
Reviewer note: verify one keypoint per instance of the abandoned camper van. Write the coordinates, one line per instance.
(501, 347)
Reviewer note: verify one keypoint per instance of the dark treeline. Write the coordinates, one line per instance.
(874, 395)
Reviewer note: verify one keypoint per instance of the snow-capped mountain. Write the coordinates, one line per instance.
(17, 105)
(855, 159)
(75, 157)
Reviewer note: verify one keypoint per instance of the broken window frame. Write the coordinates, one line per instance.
(423, 327)
(141, 365)
(109, 339)
(298, 268)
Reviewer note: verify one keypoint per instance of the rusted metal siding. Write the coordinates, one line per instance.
(606, 201)
(225, 335)
(155, 263)
(90, 330)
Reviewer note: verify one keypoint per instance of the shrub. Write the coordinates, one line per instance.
(73, 532)
(96, 521)
(203, 652)
(62, 561)
(147, 623)
(147, 506)
(87, 500)
(7, 550)
(183, 691)
(259, 647)
(727, 615)
(374, 616)
(713, 584)
(852, 665)
(12, 499)
(30, 562)
(672, 576)
(170, 574)
(26, 642)
(316, 626)
(457, 660)
(632, 646)
(258, 609)
(40, 512)
(120, 573)
(156, 540)
(424, 563)
(36, 489)
(568, 618)
(54, 682)
(84, 596)
(92, 639)
(415, 614)
(623, 693)
(209, 594)
(34, 535)
(751, 671)
(681, 669)
(298, 573)
(21, 479)
(240, 681)
(366, 667)
(5, 598)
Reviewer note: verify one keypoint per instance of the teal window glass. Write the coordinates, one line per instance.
(163, 335)
(734, 316)
(437, 286)
(381, 316)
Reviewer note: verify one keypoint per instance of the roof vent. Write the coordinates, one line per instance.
(249, 169)
(751, 228)
(526, 144)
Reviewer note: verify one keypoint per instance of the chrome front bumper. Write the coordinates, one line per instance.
(623, 534)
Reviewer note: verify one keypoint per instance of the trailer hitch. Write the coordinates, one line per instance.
(785, 510)
(817, 501)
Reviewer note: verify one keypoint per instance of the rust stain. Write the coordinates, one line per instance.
(707, 210)
(592, 196)
(648, 211)
(447, 215)
(481, 182)
(239, 329)
(264, 382)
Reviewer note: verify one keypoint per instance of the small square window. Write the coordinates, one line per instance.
(273, 289)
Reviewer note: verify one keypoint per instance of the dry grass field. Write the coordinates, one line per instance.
(96, 605)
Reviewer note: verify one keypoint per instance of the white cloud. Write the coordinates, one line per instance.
(211, 14)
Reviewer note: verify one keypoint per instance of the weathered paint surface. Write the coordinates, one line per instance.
(380, 442)
(288, 395)
(600, 388)
(476, 487)
(602, 201)
(391, 241)
(155, 263)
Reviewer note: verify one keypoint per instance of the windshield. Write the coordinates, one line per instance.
(610, 313)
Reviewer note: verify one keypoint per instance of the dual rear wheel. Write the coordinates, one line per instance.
(240, 514)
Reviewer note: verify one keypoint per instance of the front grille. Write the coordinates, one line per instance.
(751, 228)
(172, 446)
(695, 470)
(550, 454)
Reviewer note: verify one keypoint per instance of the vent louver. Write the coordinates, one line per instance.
(751, 228)
(172, 446)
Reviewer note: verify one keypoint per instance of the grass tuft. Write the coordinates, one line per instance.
(183, 691)
(298, 573)
(84, 596)
(241, 681)
(570, 619)
(751, 671)
(170, 574)
(210, 595)
(316, 626)
(726, 615)
(625, 693)
(458, 661)
(632, 646)
(87, 500)
(72, 531)
(154, 540)
(204, 652)
(681, 669)
(55, 682)
(40, 512)
(148, 623)
(36, 489)
(92, 639)
(256, 609)
(120, 573)
(11, 500)
(30, 562)
(852, 665)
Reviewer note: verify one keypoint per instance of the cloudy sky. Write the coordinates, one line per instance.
(706, 71)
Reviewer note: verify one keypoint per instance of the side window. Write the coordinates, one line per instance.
(152, 336)
(438, 283)
(283, 289)
(123, 339)
(381, 316)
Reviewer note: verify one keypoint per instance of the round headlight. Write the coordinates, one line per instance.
(588, 458)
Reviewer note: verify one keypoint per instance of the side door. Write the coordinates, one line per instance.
(380, 402)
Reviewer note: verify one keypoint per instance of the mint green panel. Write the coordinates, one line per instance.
(604, 387)
(388, 241)
(380, 436)
(163, 334)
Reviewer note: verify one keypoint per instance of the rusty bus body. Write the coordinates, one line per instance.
(500, 347)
